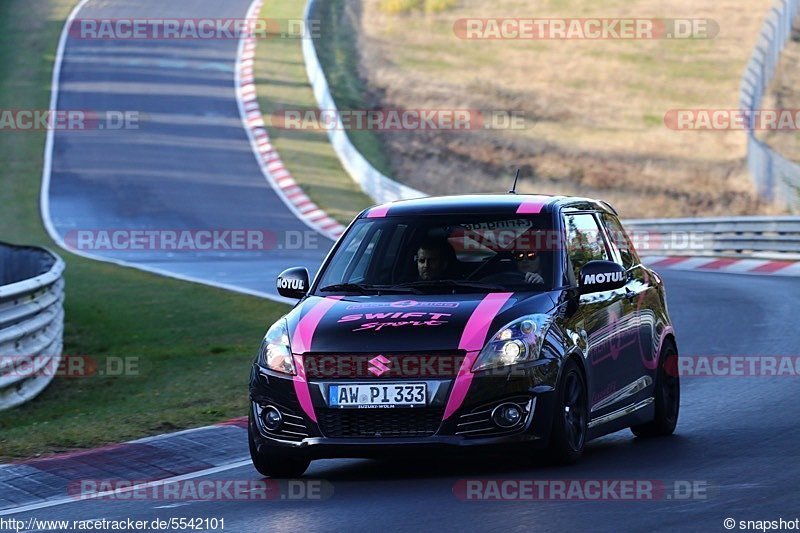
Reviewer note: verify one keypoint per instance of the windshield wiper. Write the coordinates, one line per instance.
(366, 289)
(347, 287)
(454, 284)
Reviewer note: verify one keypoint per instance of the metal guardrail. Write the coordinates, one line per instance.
(31, 321)
(757, 237)
(376, 185)
(776, 177)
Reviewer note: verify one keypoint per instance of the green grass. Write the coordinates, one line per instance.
(194, 344)
(405, 6)
(283, 85)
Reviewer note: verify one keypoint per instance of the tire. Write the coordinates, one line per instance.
(667, 393)
(274, 464)
(570, 421)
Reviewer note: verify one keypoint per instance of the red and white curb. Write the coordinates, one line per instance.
(730, 265)
(271, 164)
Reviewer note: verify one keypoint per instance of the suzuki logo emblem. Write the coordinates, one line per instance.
(379, 365)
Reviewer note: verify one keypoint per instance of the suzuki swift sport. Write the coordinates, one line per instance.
(462, 322)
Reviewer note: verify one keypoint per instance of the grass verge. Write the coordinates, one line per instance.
(283, 85)
(593, 109)
(191, 344)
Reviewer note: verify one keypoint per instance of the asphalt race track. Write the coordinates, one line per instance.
(189, 166)
(185, 164)
(737, 436)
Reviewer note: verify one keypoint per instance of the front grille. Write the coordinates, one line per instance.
(382, 366)
(478, 422)
(380, 422)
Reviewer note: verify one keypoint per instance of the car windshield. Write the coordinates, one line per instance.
(438, 254)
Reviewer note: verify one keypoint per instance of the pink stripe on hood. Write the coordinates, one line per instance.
(301, 343)
(472, 340)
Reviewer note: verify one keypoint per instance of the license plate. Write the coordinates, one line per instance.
(369, 395)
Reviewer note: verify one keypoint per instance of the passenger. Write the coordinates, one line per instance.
(529, 264)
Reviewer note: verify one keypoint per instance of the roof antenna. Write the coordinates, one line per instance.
(514, 188)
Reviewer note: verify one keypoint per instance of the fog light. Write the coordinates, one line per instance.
(272, 418)
(507, 415)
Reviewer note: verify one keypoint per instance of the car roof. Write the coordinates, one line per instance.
(484, 204)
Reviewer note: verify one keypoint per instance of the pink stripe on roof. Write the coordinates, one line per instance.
(378, 212)
(532, 205)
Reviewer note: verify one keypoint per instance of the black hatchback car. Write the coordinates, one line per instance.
(466, 321)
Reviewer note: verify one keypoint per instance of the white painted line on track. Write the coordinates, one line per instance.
(157, 483)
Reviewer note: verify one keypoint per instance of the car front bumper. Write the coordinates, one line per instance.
(532, 388)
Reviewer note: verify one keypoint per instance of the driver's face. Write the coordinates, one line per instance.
(431, 264)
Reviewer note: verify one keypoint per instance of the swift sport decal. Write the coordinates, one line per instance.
(378, 321)
(472, 340)
(301, 343)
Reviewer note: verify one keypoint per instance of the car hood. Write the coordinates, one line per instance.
(370, 324)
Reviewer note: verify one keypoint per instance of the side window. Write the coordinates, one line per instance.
(584, 240)
(620, 241)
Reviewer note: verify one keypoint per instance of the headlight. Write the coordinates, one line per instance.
(275, 352)
(517, 342)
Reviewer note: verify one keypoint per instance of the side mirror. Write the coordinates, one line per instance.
(599, 276)
(293, 283)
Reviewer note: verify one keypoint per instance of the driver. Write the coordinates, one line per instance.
(528, 264)
(435, 257)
